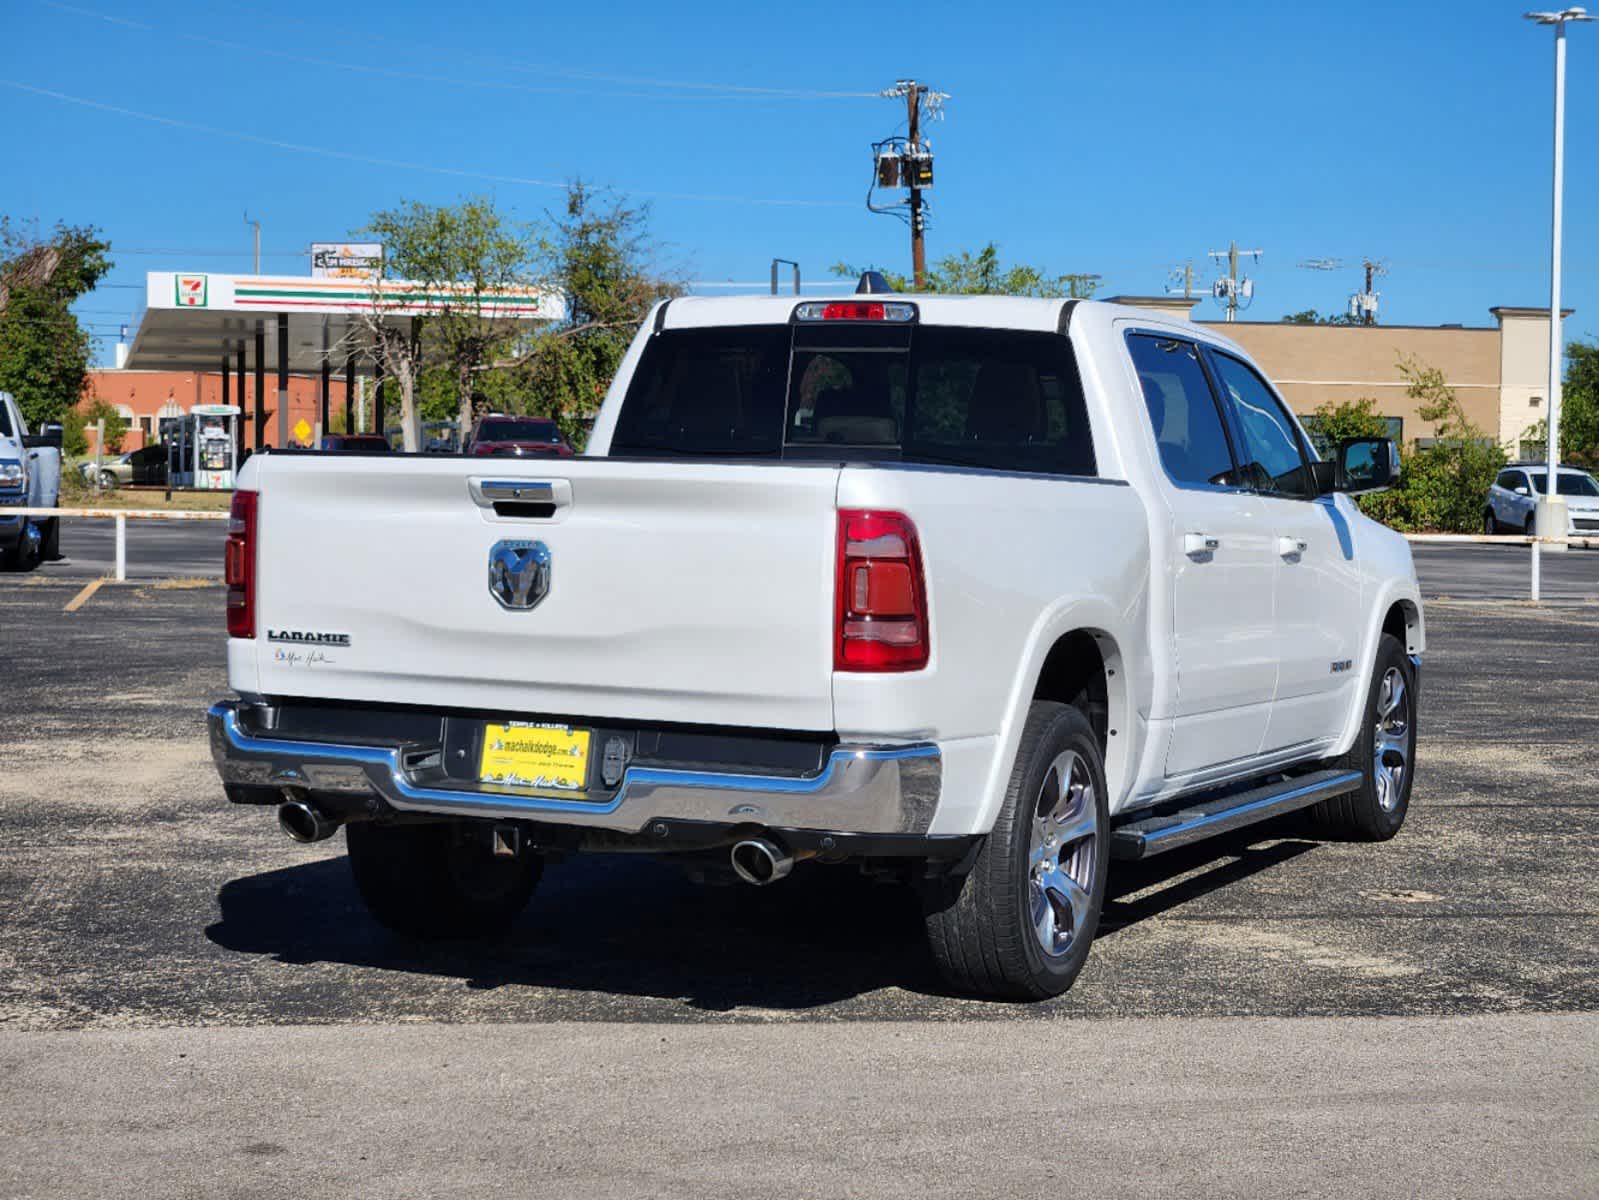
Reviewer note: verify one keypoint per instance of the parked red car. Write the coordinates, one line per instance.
(518, 436)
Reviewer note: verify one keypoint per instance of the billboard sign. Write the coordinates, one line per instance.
(346, 260)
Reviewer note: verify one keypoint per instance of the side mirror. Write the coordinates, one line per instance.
(1366, 465)
(49, 435)
(1523, 490)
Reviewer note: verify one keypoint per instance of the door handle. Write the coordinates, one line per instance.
(1291, 547)
(1200, 543)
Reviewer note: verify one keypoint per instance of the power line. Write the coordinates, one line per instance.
(726, 91)
(398, 164)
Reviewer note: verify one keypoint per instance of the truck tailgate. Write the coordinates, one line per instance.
(686, 592)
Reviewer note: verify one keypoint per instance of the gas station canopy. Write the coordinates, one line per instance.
(192, 322)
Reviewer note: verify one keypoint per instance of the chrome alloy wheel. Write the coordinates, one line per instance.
(1391, 746)
(1061, 854)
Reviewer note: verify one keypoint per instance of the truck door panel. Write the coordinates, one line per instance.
(1220, 566)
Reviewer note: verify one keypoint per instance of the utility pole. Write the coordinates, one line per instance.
(918, 250)
(257, 225)
(1231, 289)
(908, 163)
(1186, 274)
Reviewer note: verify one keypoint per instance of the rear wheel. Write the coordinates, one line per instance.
(439, 880)
(1018, 926)
(1384, 754)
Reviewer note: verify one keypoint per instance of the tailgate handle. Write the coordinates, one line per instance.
(529, 498)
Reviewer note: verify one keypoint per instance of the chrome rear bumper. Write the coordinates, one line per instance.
(861, 789)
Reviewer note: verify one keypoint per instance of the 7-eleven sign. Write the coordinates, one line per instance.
(191, 291)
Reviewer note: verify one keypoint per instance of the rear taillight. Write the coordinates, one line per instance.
(238, 565)
(880, 613)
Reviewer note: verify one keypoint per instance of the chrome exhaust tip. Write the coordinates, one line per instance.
(759, 862)
(305, 822)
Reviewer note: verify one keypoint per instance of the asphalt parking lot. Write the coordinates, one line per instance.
(191, 1003)
(164, 549)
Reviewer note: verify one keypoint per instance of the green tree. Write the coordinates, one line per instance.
(1332, 422)
(601, 256)
(44, 352)
(1441, 487)
(1579, 406)
(465, 255)
(1310, 316)
(982, 274)
(77, 422)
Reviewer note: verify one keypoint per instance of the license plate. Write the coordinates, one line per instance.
(542, 756)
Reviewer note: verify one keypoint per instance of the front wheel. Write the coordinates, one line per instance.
(24, 556)
(439, 880)
(1384, 753)
(1490, 525)
(108, 481)
(1018, 926)
(50, 541)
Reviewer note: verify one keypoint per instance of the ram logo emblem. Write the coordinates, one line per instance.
(519, 573)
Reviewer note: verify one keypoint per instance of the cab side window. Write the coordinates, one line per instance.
(1182, 411)
(1273, 461)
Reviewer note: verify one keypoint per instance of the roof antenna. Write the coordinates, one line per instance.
(872, 283)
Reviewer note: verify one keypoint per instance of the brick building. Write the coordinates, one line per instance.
(144, 397)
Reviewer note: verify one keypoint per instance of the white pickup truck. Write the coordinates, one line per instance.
(985, 592)
(30, 477)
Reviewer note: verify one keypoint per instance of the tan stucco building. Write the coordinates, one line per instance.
(1500, 372)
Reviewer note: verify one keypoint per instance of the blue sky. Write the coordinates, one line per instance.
(1114, 139)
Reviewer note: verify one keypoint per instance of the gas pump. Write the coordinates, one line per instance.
(201, 447)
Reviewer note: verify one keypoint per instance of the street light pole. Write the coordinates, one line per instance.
(1551, 520)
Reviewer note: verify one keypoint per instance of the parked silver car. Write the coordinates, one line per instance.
(1513, 499)
(148, 465)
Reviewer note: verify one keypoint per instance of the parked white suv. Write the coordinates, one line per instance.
(1513, 499)
(982, 591)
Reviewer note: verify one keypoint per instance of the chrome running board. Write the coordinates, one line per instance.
(1158, 834)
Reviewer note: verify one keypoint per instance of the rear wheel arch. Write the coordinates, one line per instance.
(1084, 668)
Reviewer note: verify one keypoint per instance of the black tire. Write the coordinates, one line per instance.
(1531, 527)
(24, 556)
(50, 542)
(439, 880)
(1490, 523)
(108, 481)
(987, 929)
(1376, 810)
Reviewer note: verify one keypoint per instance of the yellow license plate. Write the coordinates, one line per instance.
(542, 756)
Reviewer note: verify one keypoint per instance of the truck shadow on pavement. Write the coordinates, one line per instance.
(637, 927)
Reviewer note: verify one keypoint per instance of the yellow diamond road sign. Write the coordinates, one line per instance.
(302, 431)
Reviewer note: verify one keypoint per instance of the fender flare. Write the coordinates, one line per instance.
(1393, 591)
(1112, 630)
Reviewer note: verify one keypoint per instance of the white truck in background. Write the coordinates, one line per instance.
(30, 477)
(985, 592)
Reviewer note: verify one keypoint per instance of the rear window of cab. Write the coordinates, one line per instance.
(860, 391)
